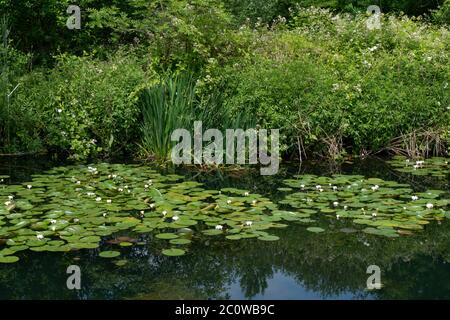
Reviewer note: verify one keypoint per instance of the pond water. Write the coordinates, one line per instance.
(312, 241)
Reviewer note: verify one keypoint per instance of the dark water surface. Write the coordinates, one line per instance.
(301, 265)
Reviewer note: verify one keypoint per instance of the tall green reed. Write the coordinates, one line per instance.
(166, 106)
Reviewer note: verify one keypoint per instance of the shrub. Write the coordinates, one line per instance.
(329, 79)
(87, 106)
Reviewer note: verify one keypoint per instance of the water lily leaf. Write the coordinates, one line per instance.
(173, 252)
(315, 229)
(109, 254)
(8, 259)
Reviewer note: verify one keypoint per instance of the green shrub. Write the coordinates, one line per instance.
(330, 83)
(87, 106)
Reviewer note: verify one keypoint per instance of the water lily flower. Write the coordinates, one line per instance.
(114, 176)
(254, 202)
(152, 205)
(142, 213)
(108, 201)
(40, 236)
(76, 220)
(98, 199)
(345, 207)
(29, 186)
(90, 194)
(219, 227)
(338, 216)
(246, 194)
(335, 203)
(335, 188)
(104, 215)
(175, 218)
(52, 221)
(126, 187)
(164, 212)
(59, 110)
(109, 176)
(7, 203)
(146, 186)
(375, 188)
(302, 186)
(228, 201)
(10, 197)
(414, 198)
(374, 214)
(430, 206)
(318, 186)
(120, 189)
(321, 190)
(248, 223)
(78, 182)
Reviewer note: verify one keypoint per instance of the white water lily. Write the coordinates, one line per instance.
(248, 223)
(219, 227)
(78, 182)
(430, 206)
(109, 201)
(164, 212)
(338, 216)
(76, 220)
(318, 186)
(152, 205)
(98, 199)
(59, 110)
(29, 186)
(302, 186)
(53, 228)
(109, 176)
(335, 203)
(175, 218)
(90, 194)
(52, 221)
(246, 194)
(414, 198)
(114, 176)
(335, 188)
(126, 187)
(146, 186)
(374, 214)
(7, 203)
(10, 197)
(228, 201)
(40, 236)
(375, 188)
(120, 189)
(321, 190)
(345, 207)
(254, 202)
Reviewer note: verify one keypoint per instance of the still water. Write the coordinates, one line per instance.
(301, 265)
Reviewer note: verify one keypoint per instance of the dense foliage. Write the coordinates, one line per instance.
(331, 85)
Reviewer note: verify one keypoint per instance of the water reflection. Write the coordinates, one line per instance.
(301, 265)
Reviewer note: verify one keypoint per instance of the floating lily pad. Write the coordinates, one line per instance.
(109, 254)
(173, 252)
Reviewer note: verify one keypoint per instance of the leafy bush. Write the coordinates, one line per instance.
(16, 133)
(87, 106)
(329, 79)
